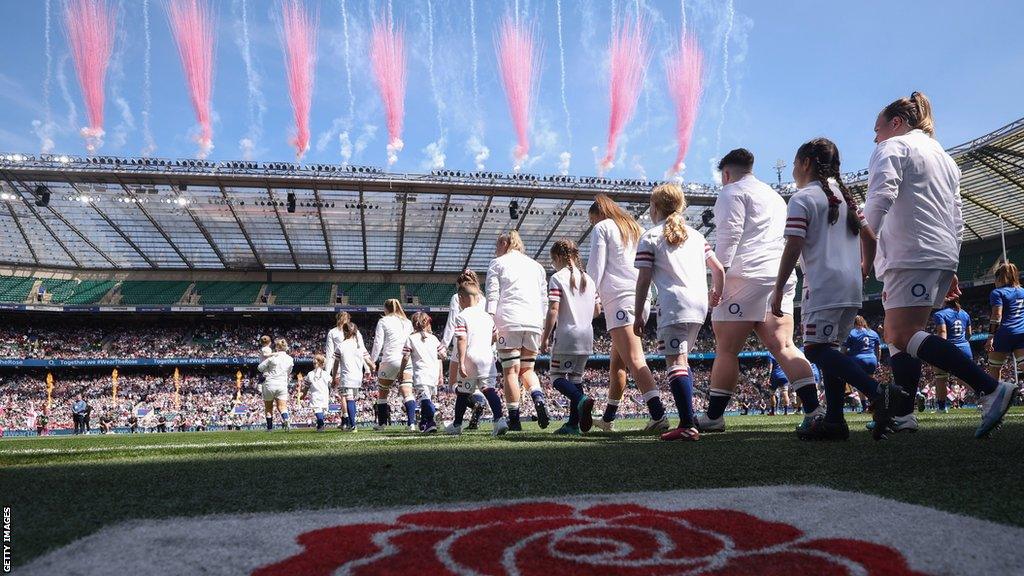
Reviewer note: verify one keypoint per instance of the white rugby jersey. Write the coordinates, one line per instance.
(352, 363)
(610, 262)
(424, 351)
(574, 331)
(830, 259)
(319, 382)
(679, 273)
(389, 338)
(913, 204)
(476, 326)
(453, 312)
(335, 337)
(276, 369)
(517, 293)
(750, 219)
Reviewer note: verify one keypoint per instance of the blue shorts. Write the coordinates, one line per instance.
(1007, 342)
(868, 364)
(966, 349)
(777, 383)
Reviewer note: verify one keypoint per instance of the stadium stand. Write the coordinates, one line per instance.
(15, 288)
(241, 293)
(369, 293)
(152, 291)
(76, 292)
(300, 293)
(431, 294)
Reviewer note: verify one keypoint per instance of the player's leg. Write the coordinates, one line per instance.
(350, 409)
(996, 361)
(381, 408)
(282, 409)
(941, 383)
(268, 411)
(529, 379)
(427, 408)
(630, 349)
(677, 341)
(510, 365)
(730, 336)
(617, 377)
(777, 335)
(409, 402)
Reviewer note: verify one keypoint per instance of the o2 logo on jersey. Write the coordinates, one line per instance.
(734, 309)
(501, 339)
(918, 290)
(828, 330)
(567, 364)
(621, 314)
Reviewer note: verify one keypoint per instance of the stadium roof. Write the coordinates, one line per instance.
(144, 213)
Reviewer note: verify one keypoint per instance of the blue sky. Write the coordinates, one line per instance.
(796, 69)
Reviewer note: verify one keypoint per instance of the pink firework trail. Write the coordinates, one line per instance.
(90, 30)
(518, 63)
(629, 57)
(299, 31)
(192, 25)
(387, 54)
(685, 72)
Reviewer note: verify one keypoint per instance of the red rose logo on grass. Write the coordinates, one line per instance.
(547, 538)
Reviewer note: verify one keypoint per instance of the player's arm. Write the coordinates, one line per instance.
(868, 247)
(940, 329)
(730, 214)
(643, 287)
(885, 173)
(492, 287)
(994, 320)
(790, 255)
(597, 260)
(460, 348)
(717, 277)
(378, 341)
(549, 325)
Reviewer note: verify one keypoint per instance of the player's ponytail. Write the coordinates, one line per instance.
(393, 307)
(670, 202)
(860, 322)
(825, 165)
(605, 208)
(1007, 275)
(467, 277)
(915, 111)
(349, 330)
(567, 250)
(513, 241)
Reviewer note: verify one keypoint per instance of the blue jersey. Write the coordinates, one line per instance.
(957, 323)
(777, 374)
(1011, 298)
(862, 342)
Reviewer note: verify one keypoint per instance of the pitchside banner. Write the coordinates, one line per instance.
(201, 309)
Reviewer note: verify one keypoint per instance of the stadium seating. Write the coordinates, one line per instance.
(300, 293)
(76, 292)
(431, 294)
(228, 293)
(369, 293)
(15, 288)
(152, 291)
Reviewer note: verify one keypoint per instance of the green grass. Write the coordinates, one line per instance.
(63, 488)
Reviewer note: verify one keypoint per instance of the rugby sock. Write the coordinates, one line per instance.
(807, 391)
(906, 373)
(427, 411)
(385, 413)
(513, 413)
(718, 400)
(410, 412)
(494, 401)
(537, 395)
(609, 410)
(654, 405)
(462, 401)
(319, 420)
(270, 422)
(681, 384)
(350, 407)
(284, 418)
(378, 412)
(570, 390)
(940, 353)
(477, 398)
(835, 395)
(843, 367)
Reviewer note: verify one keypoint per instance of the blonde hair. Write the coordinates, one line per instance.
(394, 307)
(860, 322)
(265, 340)
(606, 208)
(513, 240)
(670, 202)
(469, 289)
(319, 360)
(467, 277)
(1007, 274)
(567, 250)
(916, 111)
(342, 318)
(421, 323)
(281, 344)
(349, 330)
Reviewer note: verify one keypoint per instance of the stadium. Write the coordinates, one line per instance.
(146, 303)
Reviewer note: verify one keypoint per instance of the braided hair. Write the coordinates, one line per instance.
(824, 157)
(567, 250)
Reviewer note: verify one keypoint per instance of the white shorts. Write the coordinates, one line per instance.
(426, 392)
(828, 326)
(274, 393)
(750, 300)
(519, 339)
(912, 287)
(677, 339)
(389, 371)
(474, 383)
(348, 393)
(569, 364)
(622, 312)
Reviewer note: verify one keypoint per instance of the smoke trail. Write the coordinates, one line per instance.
(564, 157)
(475, 143)
(387, 56)
(730, 13)
(348, 65)
(149, 145)
(434, 151)
(299, 39)
(193, 29)
(90, 28)
(257, 105)
(682, 13)
(44, 128)
(476, 57)
(480, 152)
(65, 93)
